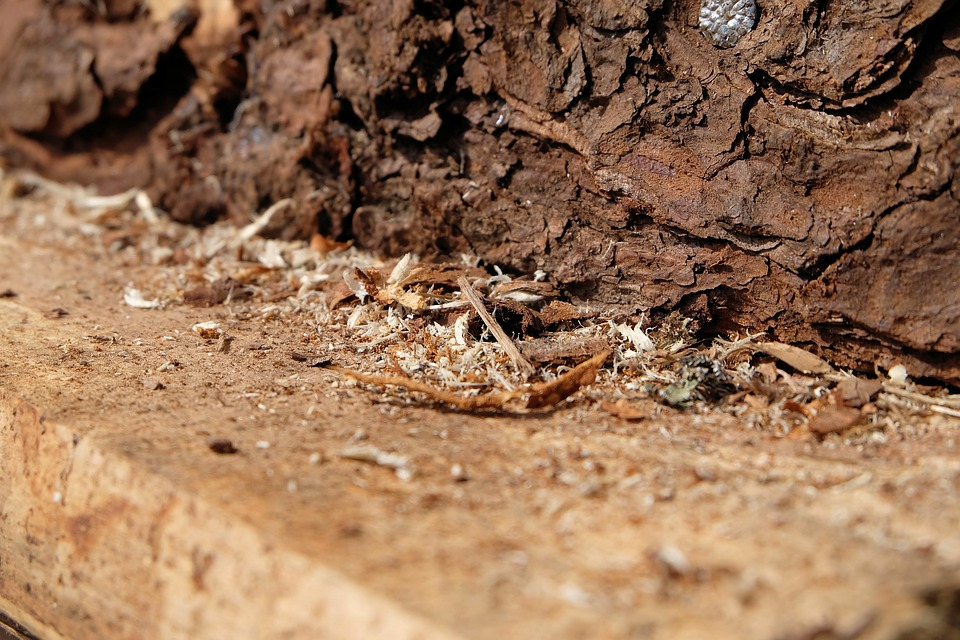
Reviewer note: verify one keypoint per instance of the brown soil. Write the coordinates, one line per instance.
(126, 515)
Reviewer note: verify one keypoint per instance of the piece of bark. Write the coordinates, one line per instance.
(562, 348)
(557, 312)
(800, 359)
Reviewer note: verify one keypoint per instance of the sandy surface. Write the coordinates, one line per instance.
(121, 518)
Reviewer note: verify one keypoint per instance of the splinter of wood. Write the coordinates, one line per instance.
(522, 364)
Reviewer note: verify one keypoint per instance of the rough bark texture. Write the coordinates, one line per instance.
(804, 180)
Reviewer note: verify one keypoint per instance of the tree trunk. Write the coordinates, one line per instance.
(803, 180)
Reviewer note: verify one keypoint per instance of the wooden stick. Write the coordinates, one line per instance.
(522, 364)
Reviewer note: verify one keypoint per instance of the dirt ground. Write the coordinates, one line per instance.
(170, 469)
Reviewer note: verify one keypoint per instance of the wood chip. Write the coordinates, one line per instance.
(523, 365)
(222, 446)
(444, 274)
(798, 358)
(558, 349)
(557, 312)
(152, 384)
(834, 419)
(856, 392)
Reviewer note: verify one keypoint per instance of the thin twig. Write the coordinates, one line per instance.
(522, 364)
(952, 401)
(947, 411)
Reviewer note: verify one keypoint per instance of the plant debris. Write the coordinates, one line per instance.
(134, 298)
(522, 364)
(798, 358)
(538, 396)
(369, 453)
(834, 419)
(474, 338)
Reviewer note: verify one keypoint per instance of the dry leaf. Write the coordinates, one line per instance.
(387, 292)
(323, 244)
(798, 358)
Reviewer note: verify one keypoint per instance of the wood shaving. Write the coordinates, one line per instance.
(522, 364)
(374, 455)
(134, 298)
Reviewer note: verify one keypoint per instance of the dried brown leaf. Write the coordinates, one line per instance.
(337, 294)
(324, 244)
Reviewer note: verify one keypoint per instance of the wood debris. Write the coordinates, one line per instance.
(539, 395)
(387, 291)
(562, 348)
(856, 392)
(800, 359)
(834, 419)
(558, 312)
(550, 393)
(210, 330)
(374, 455)
(132, 297)
(496, 401)
(522, 364)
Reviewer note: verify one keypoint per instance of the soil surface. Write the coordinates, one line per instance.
(185, 485)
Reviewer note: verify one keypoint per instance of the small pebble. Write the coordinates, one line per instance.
(152, 384)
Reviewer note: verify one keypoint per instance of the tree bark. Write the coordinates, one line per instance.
(803, 181)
